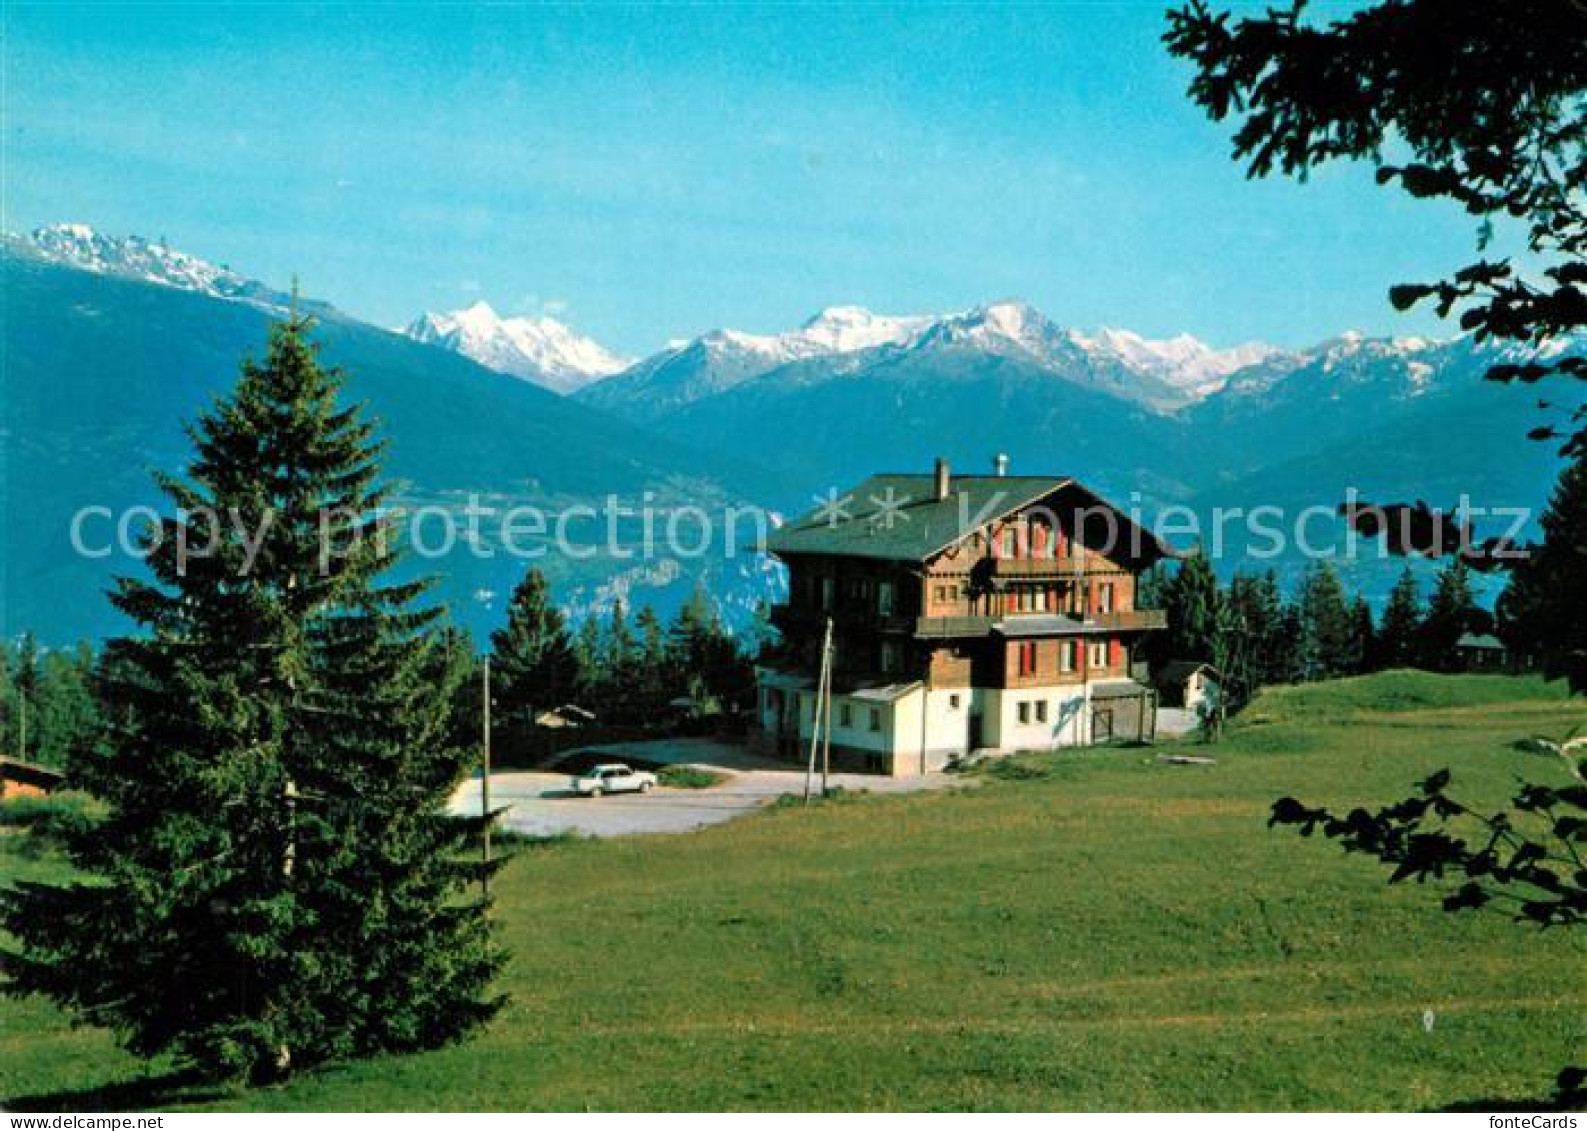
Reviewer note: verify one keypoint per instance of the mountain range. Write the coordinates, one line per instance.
(110, 343)
(105, 357)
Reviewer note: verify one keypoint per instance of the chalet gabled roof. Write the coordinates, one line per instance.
(898, 518)
(15, 769)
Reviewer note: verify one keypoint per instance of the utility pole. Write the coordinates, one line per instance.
(22, 701)
(823, 685)
(484, 780)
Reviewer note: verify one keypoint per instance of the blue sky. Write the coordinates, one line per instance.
(653, 172)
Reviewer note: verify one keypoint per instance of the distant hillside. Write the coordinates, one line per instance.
(101, 371)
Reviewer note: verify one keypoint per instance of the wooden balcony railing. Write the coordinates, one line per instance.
(1133, 620)
(947, 628)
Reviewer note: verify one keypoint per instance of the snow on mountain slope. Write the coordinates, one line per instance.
(133, 257)
(720, 360)
(842, 341)
(1183, 361)
(541, 350)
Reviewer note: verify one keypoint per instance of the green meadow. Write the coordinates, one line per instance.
(1097, 930)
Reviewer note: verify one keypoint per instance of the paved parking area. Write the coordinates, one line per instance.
(541, 804)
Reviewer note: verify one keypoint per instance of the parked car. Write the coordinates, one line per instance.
(614, 777)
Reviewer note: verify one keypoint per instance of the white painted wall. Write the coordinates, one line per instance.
(928, 723)
(929, 729)
(1067, 724)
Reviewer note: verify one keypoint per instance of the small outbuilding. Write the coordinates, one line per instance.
(1190, 685)
(27, 779)
(1482, 652)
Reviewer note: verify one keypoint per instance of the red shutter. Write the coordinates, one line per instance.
(1115, 653)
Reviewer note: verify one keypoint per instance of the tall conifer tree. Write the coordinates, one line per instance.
(1451, 612)
(1396, 641)
(533, 662)
(278, 882)
(1326, 643)
(1193, 602)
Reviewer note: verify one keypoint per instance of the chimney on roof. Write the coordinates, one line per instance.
(940, 480)
(1000, 464)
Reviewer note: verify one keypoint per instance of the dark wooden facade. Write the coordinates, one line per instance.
(1024, 601)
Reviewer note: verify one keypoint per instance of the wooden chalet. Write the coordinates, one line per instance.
(992, 612)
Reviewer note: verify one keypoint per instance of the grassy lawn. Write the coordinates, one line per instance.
(1105, 932)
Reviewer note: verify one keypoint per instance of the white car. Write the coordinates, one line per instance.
(614, 777)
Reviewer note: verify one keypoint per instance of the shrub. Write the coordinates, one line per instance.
(689, 777)
(56, 815)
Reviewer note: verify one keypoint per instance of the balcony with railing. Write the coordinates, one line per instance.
(1129, 620)
(962, 627)
(949, 628)
(845, 614)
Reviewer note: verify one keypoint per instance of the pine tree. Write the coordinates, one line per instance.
(533, 665)
(278, 882)
(1395, 645)
(63, 715)
(1543, 611)
(10, 701)
(1192, 601)
(1326, 642)
(1290, 663)
(1451, 612)
(1149, 587)
(1363, 637)
(761, 638)
(26, 681)
(710, 668)
(589, 683)
(655, 679)
(619, 665)
(1257, 648)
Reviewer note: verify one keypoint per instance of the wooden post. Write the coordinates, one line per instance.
(815, 713)
(826, 728)
(484, 780)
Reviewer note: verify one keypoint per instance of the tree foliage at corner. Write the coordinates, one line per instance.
(277, 883)
(1528, 860)
(1544, 608)
(1487, 102)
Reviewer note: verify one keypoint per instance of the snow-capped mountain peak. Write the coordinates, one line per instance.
(1183, 361)
(541, 350)
(997, 327)
(843, 329)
